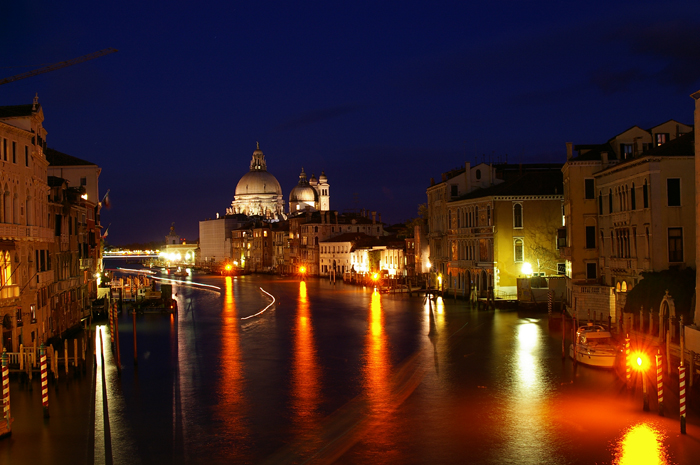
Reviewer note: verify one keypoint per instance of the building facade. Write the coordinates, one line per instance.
(628, 209)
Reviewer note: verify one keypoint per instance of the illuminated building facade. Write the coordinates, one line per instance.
(312, 194)
(258, 193)
(629, 208)
(26, 235)
(507, 231)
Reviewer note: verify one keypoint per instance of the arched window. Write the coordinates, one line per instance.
(633, 198)
(488, 215)
(478, 174)
(517, 215)
(600, 202)
(518, 250)
(610, 201)
(623, 288)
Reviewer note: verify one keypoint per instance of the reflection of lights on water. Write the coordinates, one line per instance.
(527, 369)
(642, 444)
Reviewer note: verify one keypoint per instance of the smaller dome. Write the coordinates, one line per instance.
(323, 179)
(303, 194)
(313, 181)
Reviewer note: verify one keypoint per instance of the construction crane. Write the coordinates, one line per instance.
(59, 65)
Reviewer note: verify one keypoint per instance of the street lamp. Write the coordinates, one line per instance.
(641, 366)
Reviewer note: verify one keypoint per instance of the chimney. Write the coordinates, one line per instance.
(374, 217)
(569, 151)
(444, 177)
(380, 217)
(336, 217)
(604, 158)
(432, 182)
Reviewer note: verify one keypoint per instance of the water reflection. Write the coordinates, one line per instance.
(231, 399)
(641, 444)
(526, 410)
(377, 375)
(305, 369)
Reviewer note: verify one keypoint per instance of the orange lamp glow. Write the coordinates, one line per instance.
(302, 269)
(375, 276)
(228, 267)
(640, 361)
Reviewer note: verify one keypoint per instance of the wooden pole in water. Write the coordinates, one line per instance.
(44, 381)
(75, 355)
(65, 353)
(136, 358)
(116, 337)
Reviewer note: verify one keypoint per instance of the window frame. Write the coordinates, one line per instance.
(677, 252)
(515, 217)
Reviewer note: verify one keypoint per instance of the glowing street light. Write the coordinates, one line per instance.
(642, 365)
(302, 272)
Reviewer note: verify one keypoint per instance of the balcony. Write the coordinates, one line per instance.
(623, 263)
(9, 291)
(565, 253)
(463, 264)
(86, 263)
(620, 218)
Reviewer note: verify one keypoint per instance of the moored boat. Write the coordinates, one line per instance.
(594, 345)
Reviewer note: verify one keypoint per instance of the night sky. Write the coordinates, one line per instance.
(382, 96)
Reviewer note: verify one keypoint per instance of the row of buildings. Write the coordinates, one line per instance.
(609, 213)
(258, 235)
(50, 234)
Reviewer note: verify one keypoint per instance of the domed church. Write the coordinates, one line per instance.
(312, 194)
(258, 193)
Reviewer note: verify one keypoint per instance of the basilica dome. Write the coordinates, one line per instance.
(258, 182)
(258, 193)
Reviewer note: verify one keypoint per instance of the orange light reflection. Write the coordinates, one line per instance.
(377, 375)
(231, 396)
(305, 368)
(642, 444)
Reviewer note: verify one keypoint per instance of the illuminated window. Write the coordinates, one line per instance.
(661, 138)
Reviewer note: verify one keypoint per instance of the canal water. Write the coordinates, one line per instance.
(263, 369)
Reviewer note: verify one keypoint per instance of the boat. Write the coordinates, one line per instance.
(594, 345)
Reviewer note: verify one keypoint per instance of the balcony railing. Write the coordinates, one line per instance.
(86, 263)
(623, 263)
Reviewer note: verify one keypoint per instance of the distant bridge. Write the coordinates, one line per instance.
(128, 254)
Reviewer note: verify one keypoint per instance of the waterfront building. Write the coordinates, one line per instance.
(312, 194)
(26, 237)
(455, 183)
(507, 231)
(241, 243)
(82, 178)
(177, 252)
(308, 229)
(258, 193)
(280, 245)
(262, 250)
(215, 238)
(628, 206)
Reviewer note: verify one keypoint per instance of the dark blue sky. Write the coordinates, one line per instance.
(381, 95)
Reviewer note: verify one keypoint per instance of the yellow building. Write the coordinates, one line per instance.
(628, 209)
(500, 233)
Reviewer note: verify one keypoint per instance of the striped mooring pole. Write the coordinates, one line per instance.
(44, 380)
(6, 393)
(681, 394)
(628, 372)
(549, 302)
(660, 383)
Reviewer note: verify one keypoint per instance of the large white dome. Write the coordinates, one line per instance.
(258, 182)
